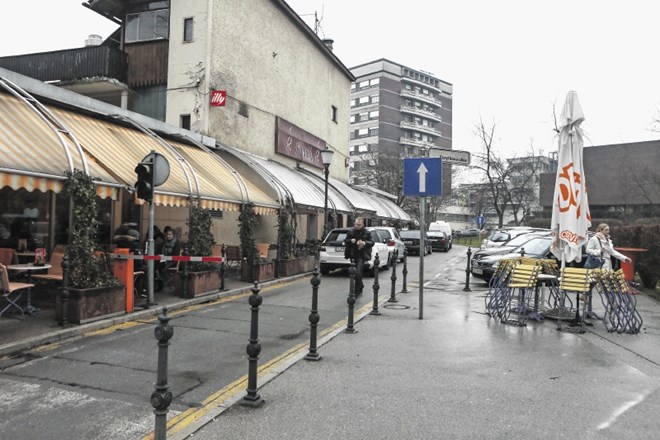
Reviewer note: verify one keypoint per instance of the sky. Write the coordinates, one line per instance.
(511, 62)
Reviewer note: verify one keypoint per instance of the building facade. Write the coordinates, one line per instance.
(396, 112)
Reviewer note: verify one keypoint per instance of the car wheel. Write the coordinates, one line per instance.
(324, 270)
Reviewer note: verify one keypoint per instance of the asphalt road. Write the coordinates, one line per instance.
(98, 386)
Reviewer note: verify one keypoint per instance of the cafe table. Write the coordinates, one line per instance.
(29, 268)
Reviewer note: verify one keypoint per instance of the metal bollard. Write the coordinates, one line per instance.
(223, 269)
(404, 272)
(393, 278)
(467, 272)
(350, 328)
(252, 398)
(314, 318)
(64, 293)
(522, 252)
(186, 273)
(374, 310)
(162, 397)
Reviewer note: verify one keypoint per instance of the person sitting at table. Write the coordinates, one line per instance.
(171, 247)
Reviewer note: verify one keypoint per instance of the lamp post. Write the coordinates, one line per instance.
(326, 157)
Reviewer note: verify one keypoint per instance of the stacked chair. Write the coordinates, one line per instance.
(575, 281)
(619, 300)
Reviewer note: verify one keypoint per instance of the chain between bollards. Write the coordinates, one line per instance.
(374, 310)
(314, 318)
(393, 277)
(350, 328)
(64, 293)
(162, 397)
(404, 272)
(467, 272)
(252, 398)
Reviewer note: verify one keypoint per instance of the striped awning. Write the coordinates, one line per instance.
(34, 157)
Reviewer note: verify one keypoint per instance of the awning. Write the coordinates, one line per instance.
(34, 157)
(194, 172)
(291, 184)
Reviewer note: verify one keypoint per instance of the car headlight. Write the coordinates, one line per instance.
(497, 263)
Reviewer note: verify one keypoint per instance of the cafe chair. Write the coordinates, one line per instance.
(578, 281)
(521, 287)
(8, 256)
(12, 291)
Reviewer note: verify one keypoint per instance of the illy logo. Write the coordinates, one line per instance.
(218, 98)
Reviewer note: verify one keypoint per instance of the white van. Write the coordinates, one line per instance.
(443, 226)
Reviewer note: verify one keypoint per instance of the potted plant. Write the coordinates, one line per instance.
(92, 291)
(292, 258)
(252, 267)
(199, 277)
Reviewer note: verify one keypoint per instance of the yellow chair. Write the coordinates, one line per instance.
(522, 281)
(578, 281)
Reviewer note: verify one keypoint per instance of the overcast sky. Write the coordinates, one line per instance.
(509, 61)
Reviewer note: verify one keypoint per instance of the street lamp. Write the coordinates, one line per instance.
(326, 157)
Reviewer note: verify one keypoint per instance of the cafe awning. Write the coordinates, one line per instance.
(35, 152)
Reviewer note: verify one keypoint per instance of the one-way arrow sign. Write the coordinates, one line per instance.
(422, 177)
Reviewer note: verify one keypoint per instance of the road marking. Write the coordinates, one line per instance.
(621, 410)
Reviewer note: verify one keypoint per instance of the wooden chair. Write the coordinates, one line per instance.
(578, 281)
(8, 256)
(233, 255)
(12, 291)
(55, 270)
(523, 280)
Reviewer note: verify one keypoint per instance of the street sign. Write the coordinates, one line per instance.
(422, 177)
(480, 221)
(451, 156)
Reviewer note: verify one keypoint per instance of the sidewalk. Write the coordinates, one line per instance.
(42, 328)
(458, 374)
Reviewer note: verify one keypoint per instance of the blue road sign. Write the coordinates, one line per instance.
(422, 177)
(480, 221)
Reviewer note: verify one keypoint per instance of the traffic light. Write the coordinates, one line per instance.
(144, 187)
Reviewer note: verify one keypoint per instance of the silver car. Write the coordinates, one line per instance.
(392, 238)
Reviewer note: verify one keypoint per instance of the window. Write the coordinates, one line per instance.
(364, 116)
(373, 131)
(363, 84)
(375, 99)
(333, 114)
(352, 118)
(187, 30)
(374, 82)
(185, 121)
(243, 109)
(147, 25)
(352, 86)
(363, 132)
(364, 100)
(353, 102)
(373, 114)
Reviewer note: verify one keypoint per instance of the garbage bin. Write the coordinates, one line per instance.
(629, 268)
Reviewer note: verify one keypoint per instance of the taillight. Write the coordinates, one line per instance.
(322, 248)
(391, 243)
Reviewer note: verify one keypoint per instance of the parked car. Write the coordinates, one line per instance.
(439, 241)
(331, 255)
(508, 246)
(538, 247)
(443, 226)
(411, 239)
(502, 236)
(471, 232)
(392, 239)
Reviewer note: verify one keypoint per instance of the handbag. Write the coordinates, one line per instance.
(593, 261)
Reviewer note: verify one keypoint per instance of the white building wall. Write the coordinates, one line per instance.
(267, 65)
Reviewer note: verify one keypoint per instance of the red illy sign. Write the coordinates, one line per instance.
(218, 98)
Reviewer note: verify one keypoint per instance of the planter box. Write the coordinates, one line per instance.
(197, 283)
(86, 305)
(257, 272)
(295, 266)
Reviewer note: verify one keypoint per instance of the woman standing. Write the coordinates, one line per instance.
(600, 245)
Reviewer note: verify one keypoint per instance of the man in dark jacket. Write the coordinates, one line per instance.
(358, 249)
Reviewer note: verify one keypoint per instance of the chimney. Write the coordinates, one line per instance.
(328, 43)
(93, 40)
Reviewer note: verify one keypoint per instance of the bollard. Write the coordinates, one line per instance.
(522, 252)
(186, 274)
(252, 398)
(64, 296)
(223, 269)
(314, 318)
(393, 278)
(350, 328)
(467, 272)
(404, 272)
(162, 397)
(374, 310)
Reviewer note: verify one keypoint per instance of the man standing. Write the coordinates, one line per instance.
(358, 249)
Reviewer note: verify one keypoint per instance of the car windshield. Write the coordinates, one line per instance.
(410, 234)
(535, 246)
(336, 236)
(384, 233)
(499, 236)
(519, 240)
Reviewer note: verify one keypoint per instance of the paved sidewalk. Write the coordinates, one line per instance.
(458, 374)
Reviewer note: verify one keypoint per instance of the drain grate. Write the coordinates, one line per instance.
(396, 306)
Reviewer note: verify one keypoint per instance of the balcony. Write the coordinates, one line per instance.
(420, 127)
(421, 112)
(416, 142)
(71, 64)
(422, 97)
